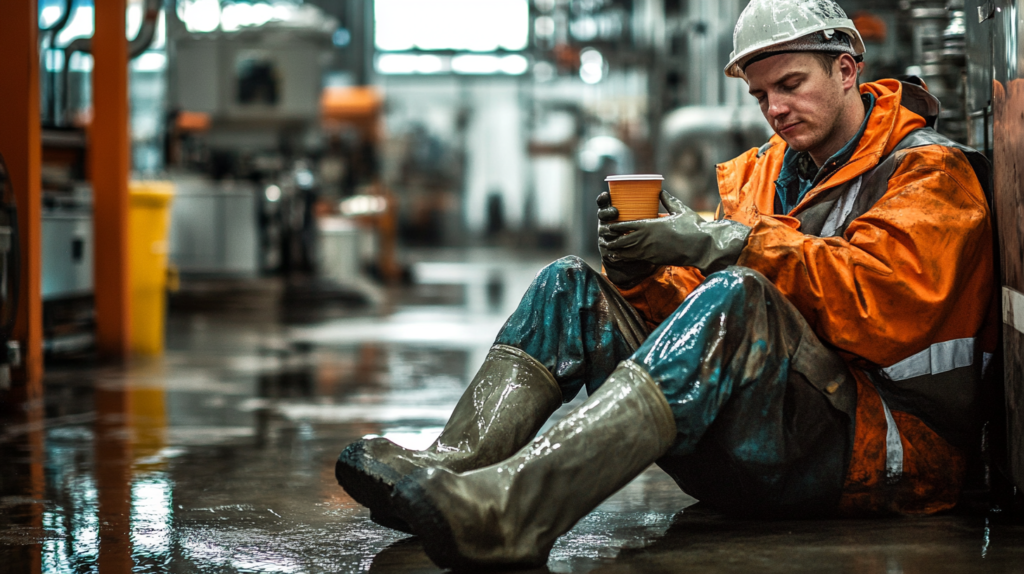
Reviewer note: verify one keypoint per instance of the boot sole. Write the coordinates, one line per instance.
(410, 502)
(369, 483)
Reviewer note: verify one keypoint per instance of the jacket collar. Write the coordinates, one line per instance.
(889, 122)
(893, 117)
(799, 174)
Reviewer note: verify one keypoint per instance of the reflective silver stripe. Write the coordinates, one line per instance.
(841, 210)
(893, 447)
(938, 358)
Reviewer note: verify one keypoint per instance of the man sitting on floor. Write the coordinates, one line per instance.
(815, 351)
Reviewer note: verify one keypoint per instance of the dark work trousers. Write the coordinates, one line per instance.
(764, 411)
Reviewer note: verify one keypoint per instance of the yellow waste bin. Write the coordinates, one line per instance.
(149, 223)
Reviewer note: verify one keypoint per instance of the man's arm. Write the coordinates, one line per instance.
(914, 270)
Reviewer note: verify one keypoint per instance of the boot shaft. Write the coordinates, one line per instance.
(510, 513)
(506, 403)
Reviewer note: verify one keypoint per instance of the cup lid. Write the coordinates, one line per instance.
(636, 177)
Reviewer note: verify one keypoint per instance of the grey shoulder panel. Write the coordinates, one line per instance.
(979, 163)
(764, 149)
(873, 184)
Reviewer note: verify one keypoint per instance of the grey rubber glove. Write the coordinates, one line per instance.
(681, 239)
(622, 273)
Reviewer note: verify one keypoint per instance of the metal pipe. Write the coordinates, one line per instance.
(147, 31)
(61, 22)
(695, 124)
(77, 45)
(142, 41)
(696, 138)
(47, 41)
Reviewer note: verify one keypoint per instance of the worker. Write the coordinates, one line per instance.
(816, 350)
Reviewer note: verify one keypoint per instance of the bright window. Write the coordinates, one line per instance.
(466, 25)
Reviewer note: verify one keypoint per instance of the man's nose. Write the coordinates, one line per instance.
(777, 108)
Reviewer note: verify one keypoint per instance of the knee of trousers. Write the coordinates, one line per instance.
(735, 283)
(570, 267)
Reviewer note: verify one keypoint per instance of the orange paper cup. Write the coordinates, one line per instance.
(635, 196)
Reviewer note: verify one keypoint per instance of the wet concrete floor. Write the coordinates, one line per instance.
(219, 457)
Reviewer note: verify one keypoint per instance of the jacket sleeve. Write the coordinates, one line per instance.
(916, 269)
(658, 296)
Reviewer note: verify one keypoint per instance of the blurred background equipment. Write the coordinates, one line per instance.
(466, 123)
(491, 122)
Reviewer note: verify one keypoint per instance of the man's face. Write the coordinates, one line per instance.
(798, 98)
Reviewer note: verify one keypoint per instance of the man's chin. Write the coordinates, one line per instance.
(795, 143)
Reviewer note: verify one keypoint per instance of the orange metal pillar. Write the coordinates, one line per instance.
(109, 164)
(21, 147)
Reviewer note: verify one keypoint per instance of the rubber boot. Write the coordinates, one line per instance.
(504, 406)
(509, 514)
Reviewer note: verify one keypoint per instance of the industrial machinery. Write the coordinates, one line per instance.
(696, 138)
(213, 227)
(244, 121)
(67, 243)
(719, 121)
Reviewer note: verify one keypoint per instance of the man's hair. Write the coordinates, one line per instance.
(827, 59)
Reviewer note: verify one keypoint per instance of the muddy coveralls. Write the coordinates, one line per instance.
(835, 367)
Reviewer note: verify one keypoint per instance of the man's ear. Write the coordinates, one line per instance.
(849, 70)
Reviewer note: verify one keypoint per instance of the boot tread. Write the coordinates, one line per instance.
(369, 482)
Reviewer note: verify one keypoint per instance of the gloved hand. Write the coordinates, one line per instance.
(624, 274)
(681, 239)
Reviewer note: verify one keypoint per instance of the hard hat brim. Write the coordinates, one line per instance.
(734, 69)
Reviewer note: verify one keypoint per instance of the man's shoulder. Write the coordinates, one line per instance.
(749, 179)
(768, 153)
(935, 158)
(931, 155)
(927, 150)
(774, 146)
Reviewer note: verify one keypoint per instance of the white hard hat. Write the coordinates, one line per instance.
(765, 26)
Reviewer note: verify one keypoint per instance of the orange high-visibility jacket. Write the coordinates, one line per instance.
(912, 273)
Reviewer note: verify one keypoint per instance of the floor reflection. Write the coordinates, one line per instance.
(23, 521)
(219, 457)
(112, 468)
